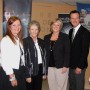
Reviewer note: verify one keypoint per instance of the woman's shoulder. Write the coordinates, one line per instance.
(65, 38)
(27, 39)
(40, 39)
(64, 35)
(5, 39)
(47, 36)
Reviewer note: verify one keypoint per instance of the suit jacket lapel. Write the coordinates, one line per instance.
(77, 33)
(70, 35)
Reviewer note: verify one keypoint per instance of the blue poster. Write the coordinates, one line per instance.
(19, 8)
(85, 14)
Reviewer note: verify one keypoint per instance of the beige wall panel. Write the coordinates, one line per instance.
(46, 12)
(0, 19)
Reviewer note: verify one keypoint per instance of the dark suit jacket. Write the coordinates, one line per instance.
(61, 50)
(79, 48)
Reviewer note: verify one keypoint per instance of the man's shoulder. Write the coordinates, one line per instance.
(85, 30)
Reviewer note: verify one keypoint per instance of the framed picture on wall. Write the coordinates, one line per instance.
(66, 23)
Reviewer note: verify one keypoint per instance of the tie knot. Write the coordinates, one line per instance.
(73, 30)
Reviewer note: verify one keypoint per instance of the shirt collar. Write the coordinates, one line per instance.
(36, 42)
(76, 28)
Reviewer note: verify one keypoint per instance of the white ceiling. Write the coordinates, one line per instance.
(70, 2)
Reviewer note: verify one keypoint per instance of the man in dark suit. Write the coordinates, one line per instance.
(79, 37)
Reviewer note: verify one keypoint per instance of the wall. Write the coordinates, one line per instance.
(45, 13)
(0, 19)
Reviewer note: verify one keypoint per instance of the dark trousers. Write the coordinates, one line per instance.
(36, 83)
(76, 81)
(5, 84)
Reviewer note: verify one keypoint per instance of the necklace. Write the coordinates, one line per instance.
(52, 43)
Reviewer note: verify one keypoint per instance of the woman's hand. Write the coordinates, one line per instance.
(44, 77)
(64, 70)
(29, 80)
(13, 80)
(78, 70)
(14, 83)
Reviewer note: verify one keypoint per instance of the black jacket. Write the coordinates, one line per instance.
(79, 48)
(61, 50)
(31, 59)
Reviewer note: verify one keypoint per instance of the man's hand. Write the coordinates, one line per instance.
(78, 70)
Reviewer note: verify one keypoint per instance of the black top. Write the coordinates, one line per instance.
(61, 50)
(51, 61)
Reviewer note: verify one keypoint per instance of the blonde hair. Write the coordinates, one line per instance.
(57, 19)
